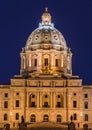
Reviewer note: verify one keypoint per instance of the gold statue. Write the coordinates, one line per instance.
(46, 69)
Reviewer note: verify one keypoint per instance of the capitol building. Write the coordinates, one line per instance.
(46, 90)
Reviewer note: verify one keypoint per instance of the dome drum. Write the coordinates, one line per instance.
(44, 46)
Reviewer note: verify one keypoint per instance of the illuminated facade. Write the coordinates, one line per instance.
(46, 90)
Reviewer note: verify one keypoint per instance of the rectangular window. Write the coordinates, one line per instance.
(56, 63)
(6, 104)
(58, 104)
(86, 105)
(46, 104)
(46, 61)
(17, 103)
(74, 94)
(17, 116)
(5, 117)
(74, 104)
(75, 116)
(46, 96)
(33, 104)
(86, 117)
(35, 62)
(85, 95)
(6, 95)
(17, 93)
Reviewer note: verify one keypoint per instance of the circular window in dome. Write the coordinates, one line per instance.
(46, 38)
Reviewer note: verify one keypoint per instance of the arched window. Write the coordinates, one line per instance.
(33, 118)
(59, 118)
(46, 118)
(5, 117)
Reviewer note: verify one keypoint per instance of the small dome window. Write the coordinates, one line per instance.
(46, 37)
(62, 39)
(36, 37)
(55, 37)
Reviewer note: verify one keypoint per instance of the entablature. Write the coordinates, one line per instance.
(46, 82)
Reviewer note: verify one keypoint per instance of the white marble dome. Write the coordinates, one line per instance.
(46, 36)
(46, 51)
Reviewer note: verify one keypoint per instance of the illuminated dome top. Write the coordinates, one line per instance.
(46, 36)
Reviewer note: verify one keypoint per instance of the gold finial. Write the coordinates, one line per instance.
(46, 9)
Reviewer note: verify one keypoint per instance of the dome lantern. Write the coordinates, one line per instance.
(46, 17)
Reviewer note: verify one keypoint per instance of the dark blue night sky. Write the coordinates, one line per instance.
(18, 18)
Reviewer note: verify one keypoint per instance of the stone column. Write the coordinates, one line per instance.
(38, 99)
(54, 97)
(26, 61)
(21, 61)
(40, 59)
(62, 61)
(24, 66)
(64, 95)
(51, 100)
(30, 60)
(52, 59)
(69, 61)
(27, 104)
(66, 104)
